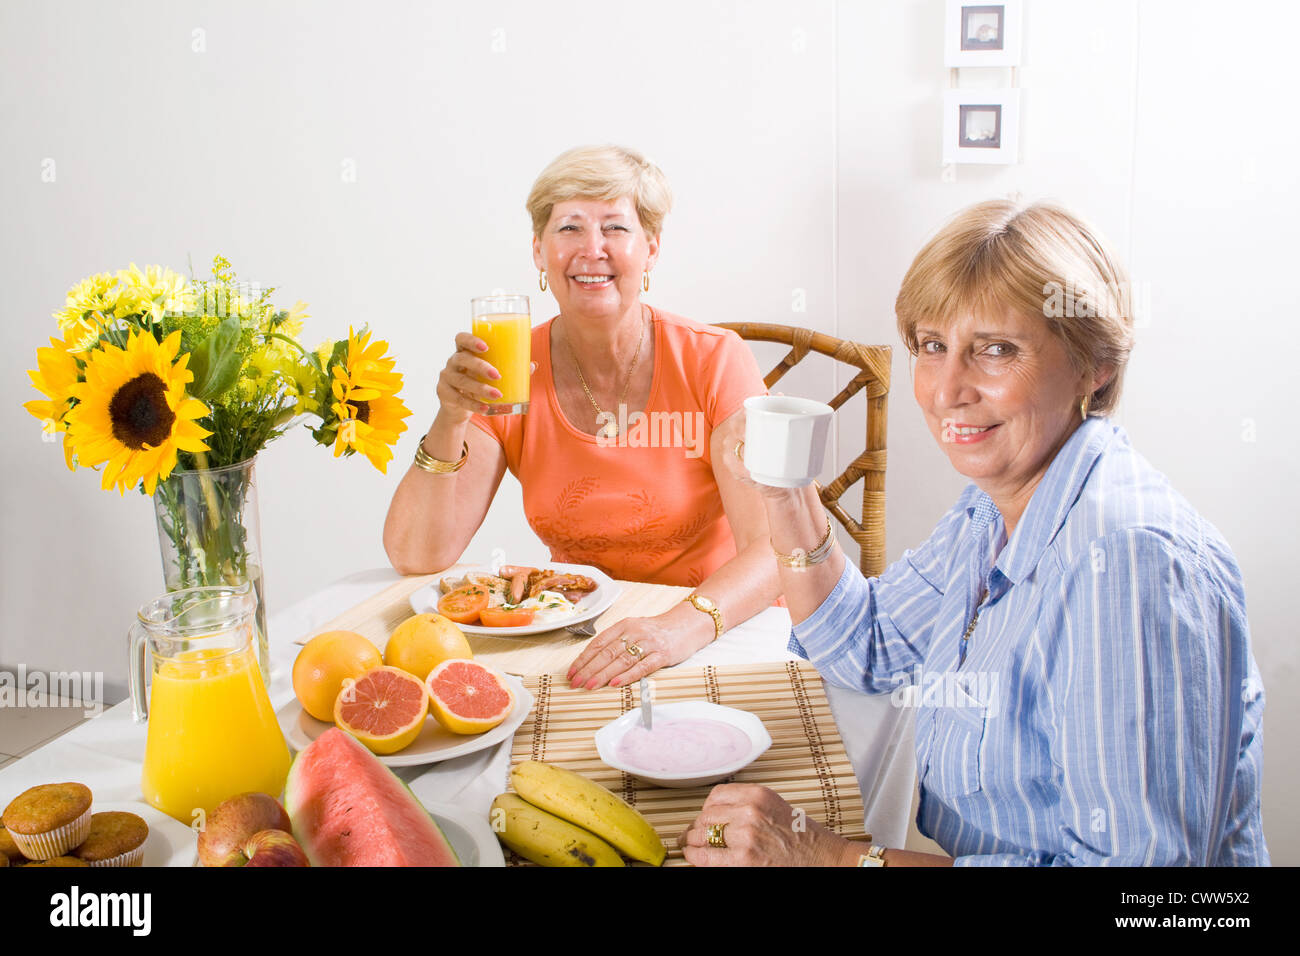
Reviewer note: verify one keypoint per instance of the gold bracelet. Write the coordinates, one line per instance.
(436, 466)
(804, 559)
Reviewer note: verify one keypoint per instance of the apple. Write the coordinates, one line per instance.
(234, 821)
(274, 848)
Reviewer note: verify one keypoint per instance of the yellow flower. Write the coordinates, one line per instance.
(132, 411)
(155, 291)
(90, 306)
(55, 375)
(369, 412)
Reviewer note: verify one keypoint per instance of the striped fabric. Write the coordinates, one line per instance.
(1108, 708)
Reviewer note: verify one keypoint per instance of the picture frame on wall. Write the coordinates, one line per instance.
(981, 126)
(982, 34)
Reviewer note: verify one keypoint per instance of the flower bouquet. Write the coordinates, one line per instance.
(174, 386)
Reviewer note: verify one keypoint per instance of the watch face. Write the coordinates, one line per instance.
(703, 603)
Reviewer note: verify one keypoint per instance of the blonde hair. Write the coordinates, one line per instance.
(602, 172)
(1036, 260)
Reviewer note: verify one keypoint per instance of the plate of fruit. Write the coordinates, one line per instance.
(425, 699)
(513, 601)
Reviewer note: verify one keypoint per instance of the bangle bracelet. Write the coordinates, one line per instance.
(436, 466)
(803, 559)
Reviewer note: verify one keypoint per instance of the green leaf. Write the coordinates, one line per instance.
(217, 360)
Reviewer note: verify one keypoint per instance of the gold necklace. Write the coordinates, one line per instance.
(610, 428)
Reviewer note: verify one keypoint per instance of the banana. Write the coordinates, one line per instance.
(589, 805)
(544, 838)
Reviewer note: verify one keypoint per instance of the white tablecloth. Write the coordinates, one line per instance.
(106, 754)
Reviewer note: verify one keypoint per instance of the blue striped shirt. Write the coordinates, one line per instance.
(1108, 708)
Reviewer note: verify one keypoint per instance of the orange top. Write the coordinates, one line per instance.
(644, 506)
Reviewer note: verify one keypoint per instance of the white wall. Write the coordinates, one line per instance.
(802, 141)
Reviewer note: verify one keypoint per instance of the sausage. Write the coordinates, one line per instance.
(512, 570)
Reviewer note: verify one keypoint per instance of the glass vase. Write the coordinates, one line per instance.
(210, 534)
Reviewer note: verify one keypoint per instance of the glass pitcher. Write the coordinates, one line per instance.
(212, 730)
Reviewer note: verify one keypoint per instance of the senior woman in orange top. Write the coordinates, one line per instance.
(619, 455)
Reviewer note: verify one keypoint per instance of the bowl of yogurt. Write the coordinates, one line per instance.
(693, 743)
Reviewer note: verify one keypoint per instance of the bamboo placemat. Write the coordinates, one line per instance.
(548, 653)
(807, 763)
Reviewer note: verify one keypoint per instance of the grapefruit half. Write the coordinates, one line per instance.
(385, 709)
(468, 697)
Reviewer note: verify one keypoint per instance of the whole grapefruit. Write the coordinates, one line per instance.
(424, 641)
(324, 663)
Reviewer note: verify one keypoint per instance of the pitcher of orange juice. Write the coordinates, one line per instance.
(505, 324)
(212, 730)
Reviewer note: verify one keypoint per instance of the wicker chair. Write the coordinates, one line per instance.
(872, 363)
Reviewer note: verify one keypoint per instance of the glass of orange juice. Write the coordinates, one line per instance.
(506, 325)
(212, 731)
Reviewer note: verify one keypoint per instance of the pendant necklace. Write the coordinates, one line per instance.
(610, 428)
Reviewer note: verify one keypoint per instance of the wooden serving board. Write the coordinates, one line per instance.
(806, 764)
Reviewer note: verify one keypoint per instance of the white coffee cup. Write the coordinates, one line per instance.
(785, 439)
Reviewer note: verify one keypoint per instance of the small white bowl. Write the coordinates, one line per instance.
(609, 736)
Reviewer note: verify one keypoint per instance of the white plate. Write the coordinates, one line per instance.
(608, 737)
(169, 843)
(471, 837)
(425, 601)
(434, 743)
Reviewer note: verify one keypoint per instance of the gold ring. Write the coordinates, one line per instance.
(634, 650)
(740, 449)
(717, 835)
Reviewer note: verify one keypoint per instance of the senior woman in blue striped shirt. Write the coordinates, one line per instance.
(1073, 634)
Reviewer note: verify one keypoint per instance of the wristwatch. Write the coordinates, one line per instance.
(873, 857)
(701, 603)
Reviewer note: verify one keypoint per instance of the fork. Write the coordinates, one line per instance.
(585, 629)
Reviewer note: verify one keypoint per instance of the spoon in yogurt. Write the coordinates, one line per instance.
(646, 688)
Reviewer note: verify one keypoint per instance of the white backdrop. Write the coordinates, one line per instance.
(374, 161)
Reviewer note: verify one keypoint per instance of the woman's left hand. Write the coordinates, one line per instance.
(667, 639)
(761, 829)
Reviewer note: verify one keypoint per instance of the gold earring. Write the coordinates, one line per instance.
(541, 280)
(645, 281)
(1083, 407)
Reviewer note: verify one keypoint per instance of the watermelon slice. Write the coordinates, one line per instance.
(348, 809)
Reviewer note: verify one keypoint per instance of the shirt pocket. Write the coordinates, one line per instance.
(960, 728)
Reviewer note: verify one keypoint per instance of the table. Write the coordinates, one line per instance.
(107, 753)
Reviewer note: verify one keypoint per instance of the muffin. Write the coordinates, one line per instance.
(116, 839)
(9, 850)
(49, 820)
(60, 861)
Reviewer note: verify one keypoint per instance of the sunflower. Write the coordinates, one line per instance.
(365, 391)
(55, 375)
(132, 411)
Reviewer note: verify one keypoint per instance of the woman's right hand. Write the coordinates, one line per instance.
(464, 383)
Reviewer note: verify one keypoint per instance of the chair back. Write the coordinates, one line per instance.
(872, 363)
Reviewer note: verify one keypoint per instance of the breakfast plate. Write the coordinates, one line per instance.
(435, 742)
(425, 601)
